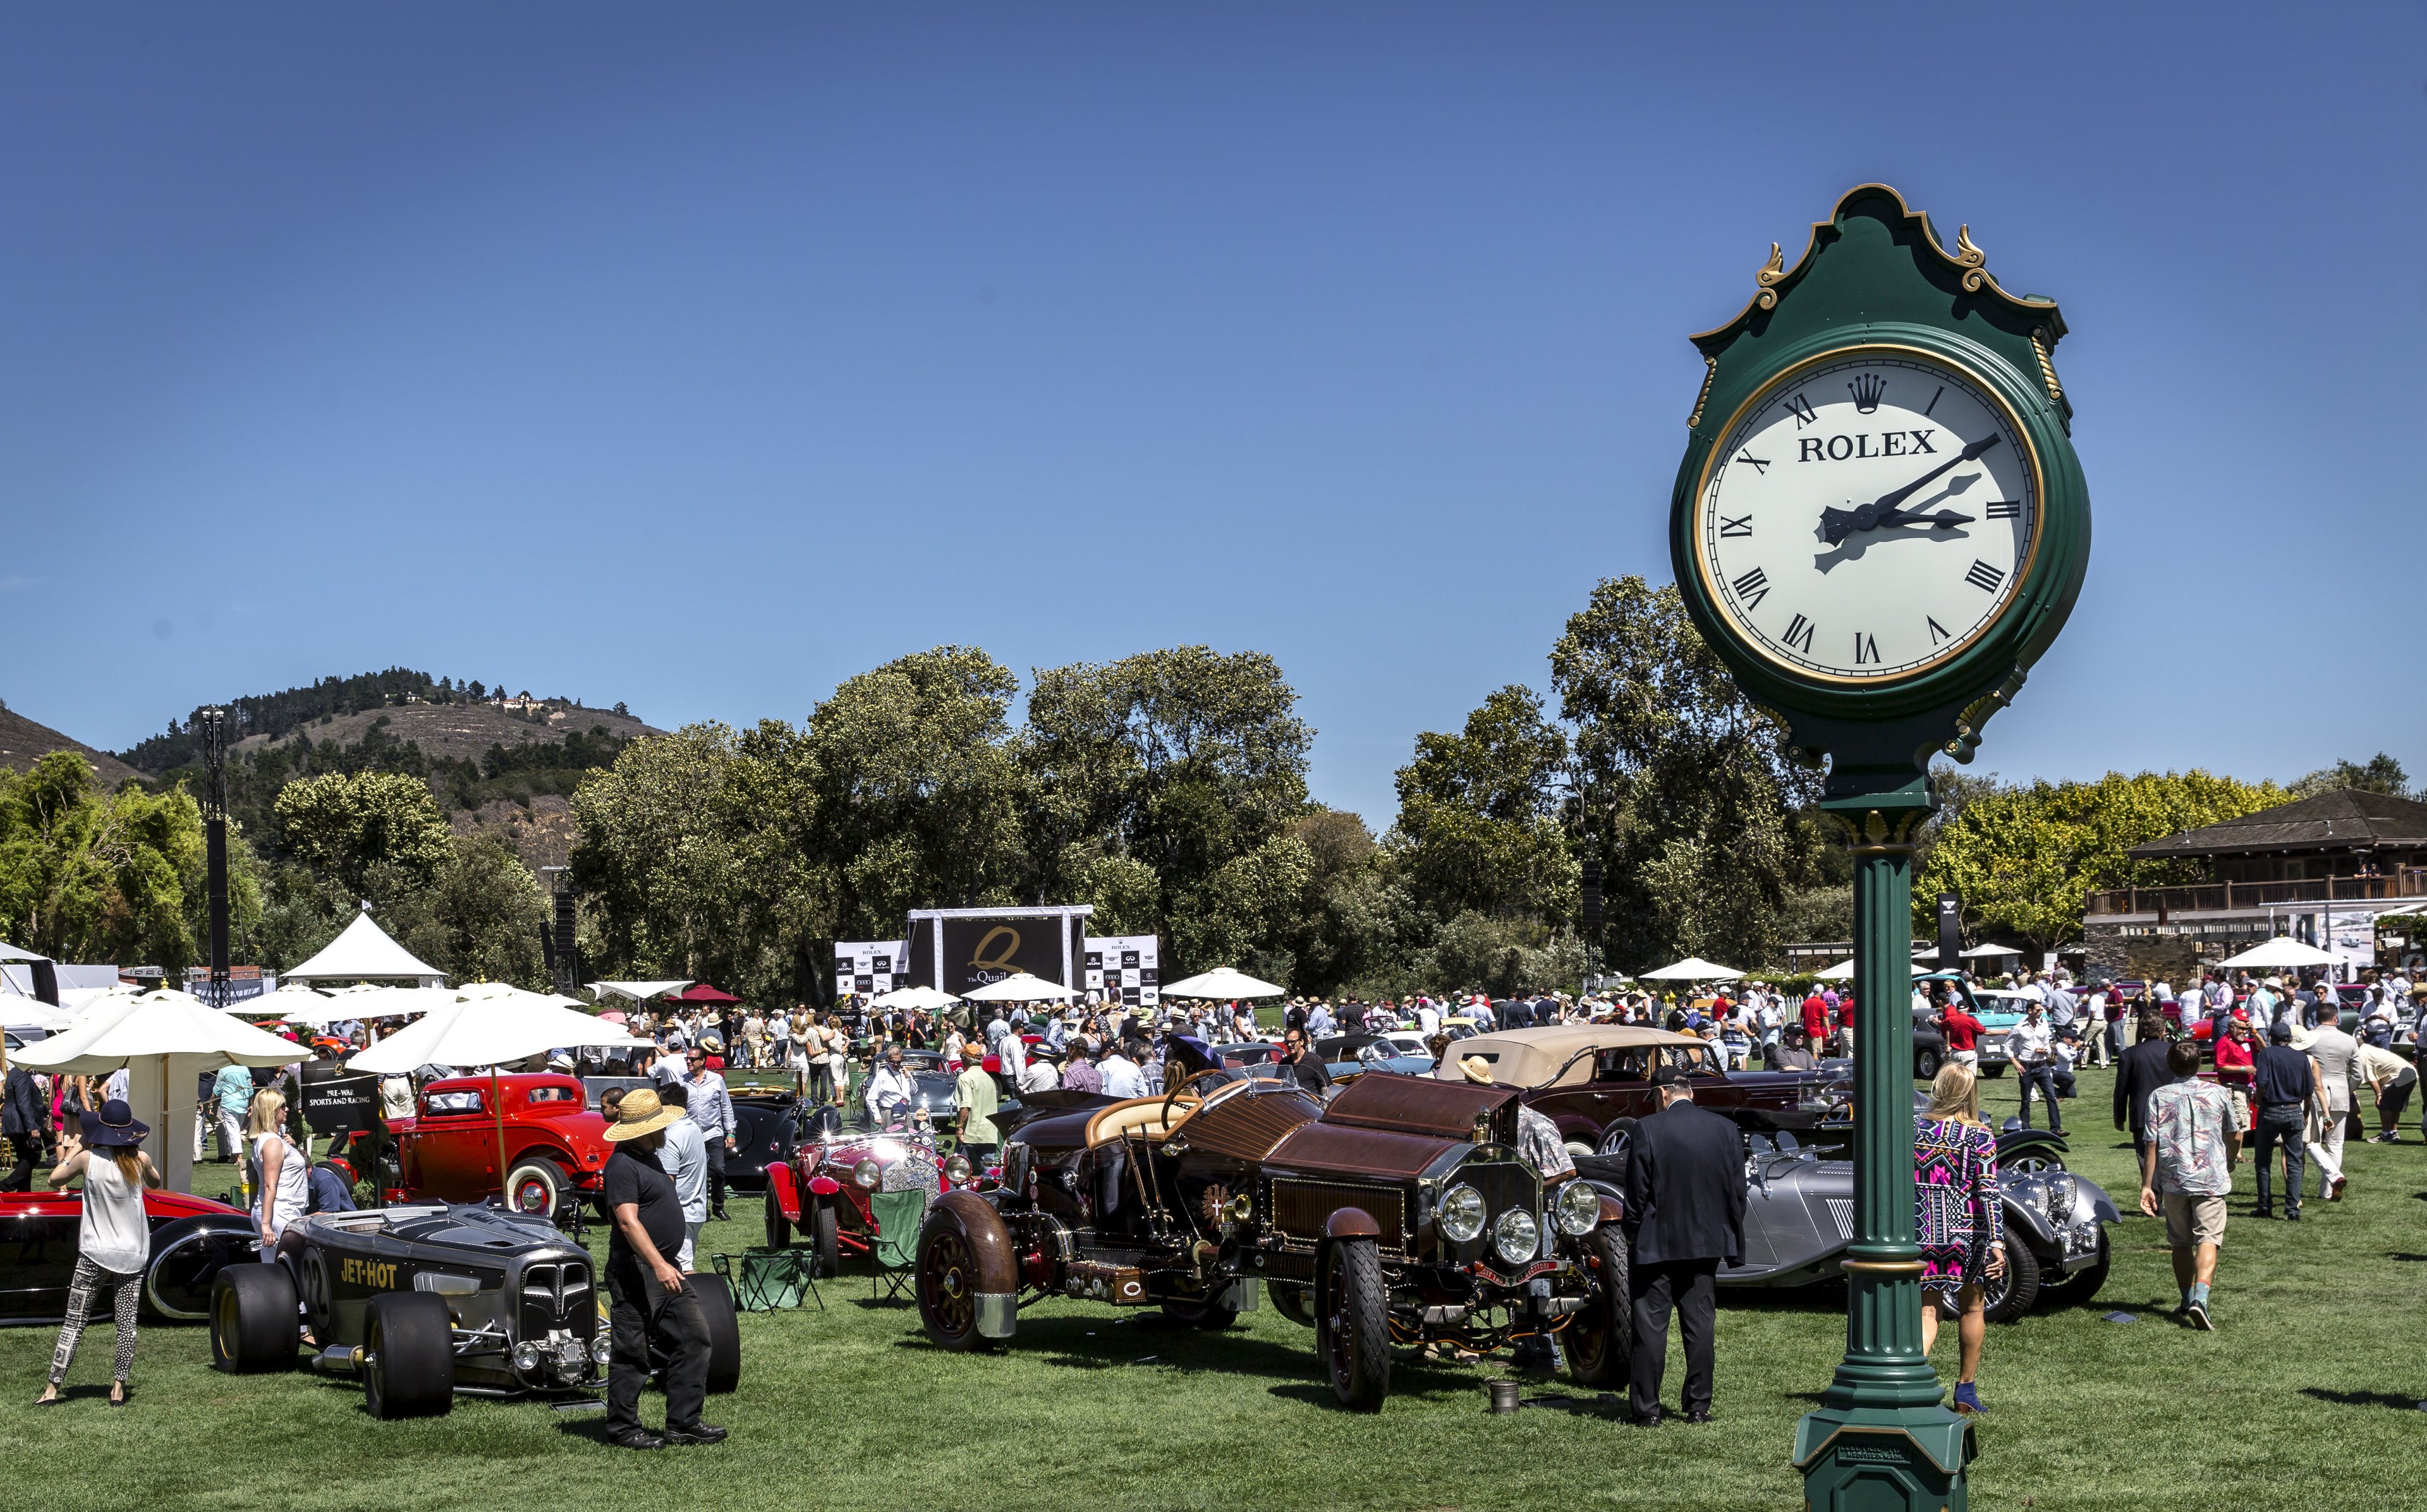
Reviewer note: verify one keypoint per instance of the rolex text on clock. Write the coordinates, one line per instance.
(1868, 514)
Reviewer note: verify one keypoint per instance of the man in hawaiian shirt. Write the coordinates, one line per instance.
(2187, 1165)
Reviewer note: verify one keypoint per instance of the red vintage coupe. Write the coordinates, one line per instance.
(553, 1142)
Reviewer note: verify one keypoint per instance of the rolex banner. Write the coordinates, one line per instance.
(868, 967)
(960, 950)
(1125, 969)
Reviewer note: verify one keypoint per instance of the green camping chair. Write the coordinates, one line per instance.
(765, 1279)
(894, 1256)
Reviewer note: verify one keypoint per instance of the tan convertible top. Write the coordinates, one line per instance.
(1530, 1057)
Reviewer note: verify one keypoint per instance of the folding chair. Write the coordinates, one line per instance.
(894, 1256)
(765, 1279)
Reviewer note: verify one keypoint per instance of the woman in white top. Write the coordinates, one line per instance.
(113, 1243)
(283, 1183)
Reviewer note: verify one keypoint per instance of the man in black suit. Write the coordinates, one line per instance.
(1685, 1214)
(2140, 1071)
(20, 1119)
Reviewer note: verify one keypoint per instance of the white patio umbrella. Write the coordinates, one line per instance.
(1223, 981)
(488, 1024)
(1693, 968)
(1018, 987)
(637, 991)
(163, 1039)
(1979, 952)
(914, 999)
(2283, 952)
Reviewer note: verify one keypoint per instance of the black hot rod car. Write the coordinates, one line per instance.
(1400, 1215)
(422, 1302)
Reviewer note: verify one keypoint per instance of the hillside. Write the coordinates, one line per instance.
(23, 742)
(457, 732)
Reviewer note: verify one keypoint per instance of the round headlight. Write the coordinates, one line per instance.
(602, 1348)
(526, 1357)
(867, 1174)
(1461, 1214)
(2062, 1189)
(1517, 1237)
(1579, 1208)
(957, 1168)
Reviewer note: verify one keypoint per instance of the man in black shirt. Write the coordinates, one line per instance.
(1314, 1077)
(646, 1292)
(2285, 1083)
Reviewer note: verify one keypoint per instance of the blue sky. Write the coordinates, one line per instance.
(702, 357)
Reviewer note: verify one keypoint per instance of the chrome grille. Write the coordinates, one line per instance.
(555, 1295)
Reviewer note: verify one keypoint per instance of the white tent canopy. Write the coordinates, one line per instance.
(2283, 952)
(493, 1029)
(1020, 987)
(1693, 968)
(1979, 952)
(914, 999)
(164, 1039)
(637, 991)
(303, 1006)
(1224, 982)
(363, 951)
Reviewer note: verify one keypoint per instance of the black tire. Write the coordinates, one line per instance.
(2079, 1288)
(537, 1188)
(1925, 1064)
(1352, 1325)
(1205, 1315)
(253, 1319)
(1615, 1138)
(408, 1356)
(779, 1229)
(1998, 1070)
(1296, 1303)
(947, 1285)
(824, 1241)
(1600, 1339)
(2010, 1295)
(723, 1330)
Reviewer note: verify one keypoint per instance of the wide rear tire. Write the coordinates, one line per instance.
(408, 1356)
(1601, 1339)
(1352, 1329)
(723, 1330)
(253, 1319)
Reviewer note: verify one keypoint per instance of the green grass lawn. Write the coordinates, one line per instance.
(2303, 1398)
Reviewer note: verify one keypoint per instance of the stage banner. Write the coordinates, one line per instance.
(1125, 969)
(868, 967)
(957, 949)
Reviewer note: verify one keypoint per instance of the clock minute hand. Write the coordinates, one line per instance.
(1835, 525)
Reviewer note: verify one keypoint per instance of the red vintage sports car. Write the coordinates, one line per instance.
(555, 1143)
(192, 1239)
(824, 1187)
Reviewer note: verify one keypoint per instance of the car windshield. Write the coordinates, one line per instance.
(552, 1095)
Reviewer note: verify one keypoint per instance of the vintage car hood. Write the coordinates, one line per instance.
(466, 1228)
(1325, 1146)
(1416, 1105)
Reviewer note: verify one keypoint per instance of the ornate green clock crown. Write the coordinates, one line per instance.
(1877, 292)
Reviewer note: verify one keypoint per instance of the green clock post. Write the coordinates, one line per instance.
(1880, 523)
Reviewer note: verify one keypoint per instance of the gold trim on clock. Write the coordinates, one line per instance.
(1745, 635)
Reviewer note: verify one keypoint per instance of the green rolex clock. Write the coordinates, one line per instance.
(1879, 525)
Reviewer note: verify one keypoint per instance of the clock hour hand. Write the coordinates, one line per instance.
(1835, 525)
(1943, 520)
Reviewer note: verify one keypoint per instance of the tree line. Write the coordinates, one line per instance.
(1166, 789)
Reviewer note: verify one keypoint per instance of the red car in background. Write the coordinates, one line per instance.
(555, 1143)
(193, 1239)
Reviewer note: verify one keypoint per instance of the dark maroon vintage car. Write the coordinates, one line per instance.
(1595, 1079)
(193, 1239)
(1399, 1215)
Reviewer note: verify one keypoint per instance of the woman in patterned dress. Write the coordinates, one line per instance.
(1956, 1220)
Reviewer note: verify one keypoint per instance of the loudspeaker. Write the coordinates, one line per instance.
(1951, 932)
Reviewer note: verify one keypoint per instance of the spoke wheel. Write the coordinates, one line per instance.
(1601, 1339)
(948, 1288)
(1352, 1325)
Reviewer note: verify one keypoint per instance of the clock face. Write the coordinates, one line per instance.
(1866, 516)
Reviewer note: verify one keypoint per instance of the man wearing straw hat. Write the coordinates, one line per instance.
(647, 1293)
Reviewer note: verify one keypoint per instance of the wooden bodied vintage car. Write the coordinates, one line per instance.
(1399, 1215)
(1591, 1078)
(193, 1239)
(555, 1144)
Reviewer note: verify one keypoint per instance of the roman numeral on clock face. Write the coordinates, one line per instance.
(2005, 508)
(1801, 409)
(1985, 578)
(1937, 632)
(1734, 526)
(1752, 588)
(1798, 634)
(1866, 649)
(1759, 464)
